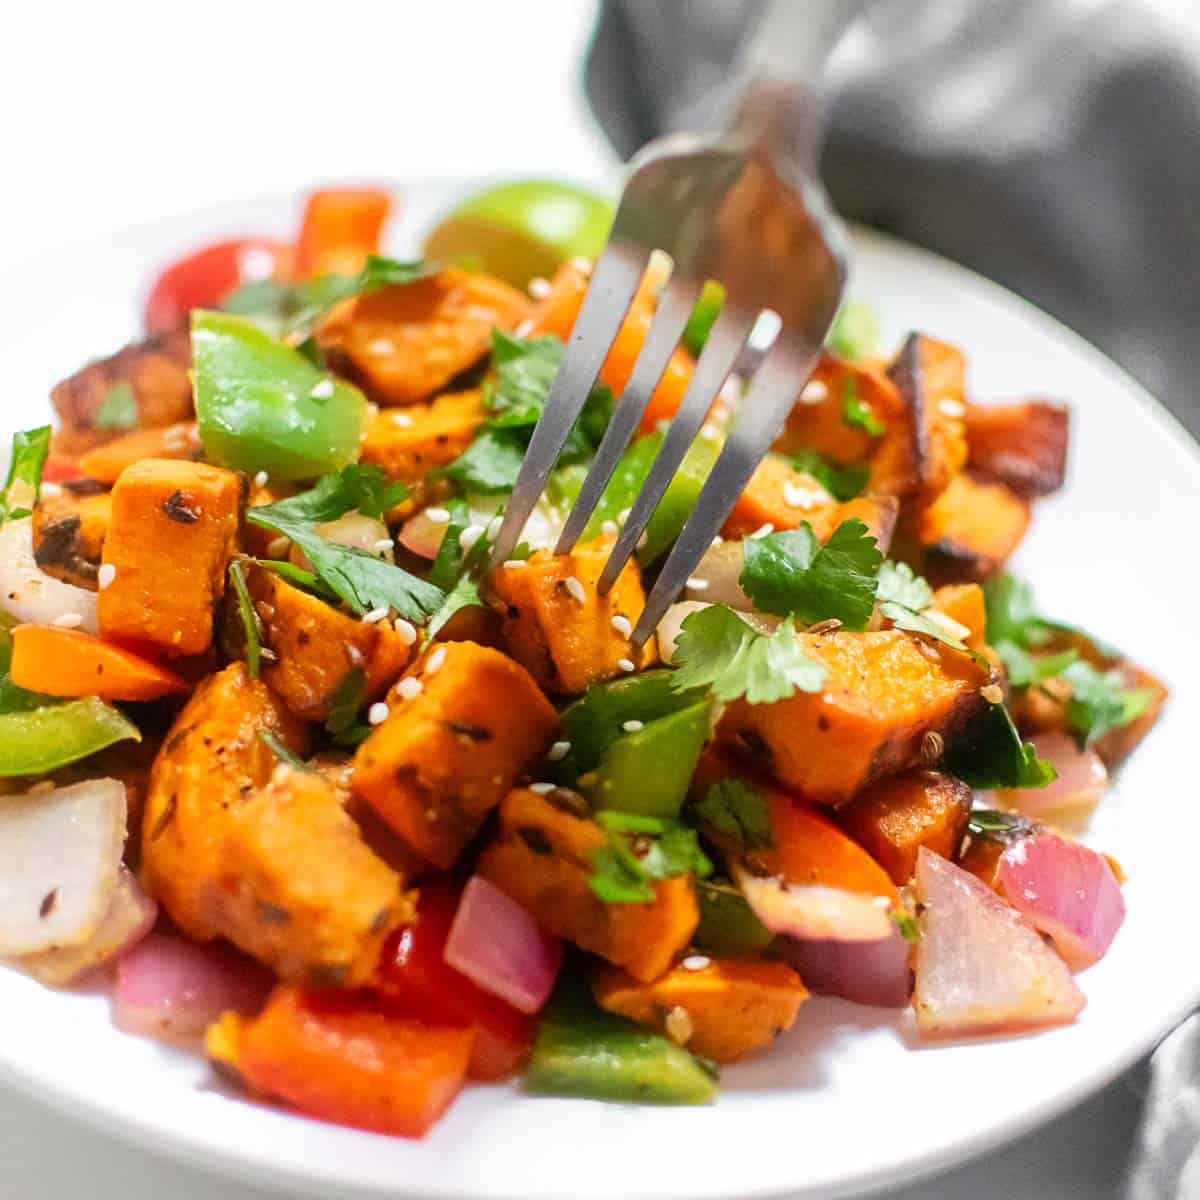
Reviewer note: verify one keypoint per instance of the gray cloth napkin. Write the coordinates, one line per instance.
(1052, 145)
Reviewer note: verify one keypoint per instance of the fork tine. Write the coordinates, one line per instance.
(760, 418)
(724, 344)
(614, 281)
(674, 307)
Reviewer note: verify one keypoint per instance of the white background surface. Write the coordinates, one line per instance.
(121, 112)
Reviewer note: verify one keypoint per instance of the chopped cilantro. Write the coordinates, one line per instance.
(381, 271)
(903, 597)
(361, 488)
(622, 874)
(998, 826)
(855, 332)
(249, 618)
(1100, 701)
(792, 574)
(737, 810)
(1024, 668)
(299, 577)
(490, 464)
(118, 409)
(992, 755)
(857, 413)
(24, 482)
(842, 483)
(342, 723)
(906, 925)
(281, 752)
(717, 650)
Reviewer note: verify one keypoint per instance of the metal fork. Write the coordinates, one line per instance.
(743, 207)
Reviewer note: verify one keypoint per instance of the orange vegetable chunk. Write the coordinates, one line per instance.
(106, 462)
(341, 227)
(970, 530)
(407, 443)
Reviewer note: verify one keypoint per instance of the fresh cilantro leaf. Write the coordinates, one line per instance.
(281, 751)
(249, 618)
(490, 464)
(118, 409)
(791, 573)
(717, 650)
(381, 271)
(343, 723)
(447, 565)
(998, 826)
(842, 483)
(915, 622)
(299, 577)
(23, 485)
(855, 332)
(733, 808)
(1100, 701)
(906, 925)
(857, 413)
(361, 488)
(1011, 616)
(899, 583)
(464, 594)
(992, 755)
(311, 350)
(1024, 668)
(622, 875)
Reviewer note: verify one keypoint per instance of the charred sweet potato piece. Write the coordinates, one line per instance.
(157, 372)
(556, 623)
(541, 857)
(405, 342)
(69, 533)
(727, 1008)
(1022, 445)
(106, 462)
(407, 443)
(777, 496)
(301, 890)
(893, 818)
(446, 756)
(170, 541)
(883, 692)
(316, 647)
(817, 420)
(211, 761)
(970, 530)
(926, 446)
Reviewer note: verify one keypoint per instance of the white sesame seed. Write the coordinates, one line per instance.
(377, 713)
(470, 536)
(383, 545)
(558, 751)
(493, 527)
(439, 516)
(381, 346)
(409, 688)
(717, 541)
(814, 392)
(797, 496)
(575, 588)
(626, 665)
(376, 614)
(406, 630)
(622, 625)
(322, 390)
(402, 419)
(511, 564)
(582, 265)
(697, 585)
(763, 530)
(51, 489)
(633, 726)
(277, 547)
(623, 515)
(609, 528)
(433, 663)
(106, 574)
(260, 480)
(952, 408)
(281, 773)
(354, 654)
(542, 789)
(68, 621)
(695, 962)
(525, 328)
(539, 288)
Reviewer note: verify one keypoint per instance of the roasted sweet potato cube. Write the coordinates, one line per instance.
(877, 513)
(212, 759)
(170, 541)
(69, 532)
(1118, 744)
(926, 447)
(883, 692)
(725, 1010)
(406, 342)
(302, 890)
(556, 623)
(818, 422)
(1022, 445)
(970, 530)
(315, 647)
(406, 444)
(541, 857)
(446, 755)
(106, 462)
(777, 496)
(156, 371)
(893, 818)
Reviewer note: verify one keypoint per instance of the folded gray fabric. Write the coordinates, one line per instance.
(1053, 145)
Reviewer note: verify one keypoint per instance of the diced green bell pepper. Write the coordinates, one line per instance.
(648, 771)
(728, 927)
(47, 738)
(704, 316)
(581, 1050)
(263, 406)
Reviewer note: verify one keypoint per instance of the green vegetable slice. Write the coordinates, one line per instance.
(44, 739)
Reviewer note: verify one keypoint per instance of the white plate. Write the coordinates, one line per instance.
(848, 1100)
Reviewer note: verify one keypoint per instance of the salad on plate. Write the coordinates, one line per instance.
(296, 771)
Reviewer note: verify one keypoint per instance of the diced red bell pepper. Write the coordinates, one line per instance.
(204, 278)
(341, 227)
(339, 1056)
(414, 972)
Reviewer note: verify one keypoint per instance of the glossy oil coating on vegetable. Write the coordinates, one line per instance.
(408, 818)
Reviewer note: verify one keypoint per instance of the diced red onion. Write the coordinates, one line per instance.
(980, 967)
(866, 972)
(422, 536)
(495, 943)
(168, 986)
(1067, 891)
(1082, 778)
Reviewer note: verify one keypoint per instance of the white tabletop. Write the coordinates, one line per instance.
(127, 111)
